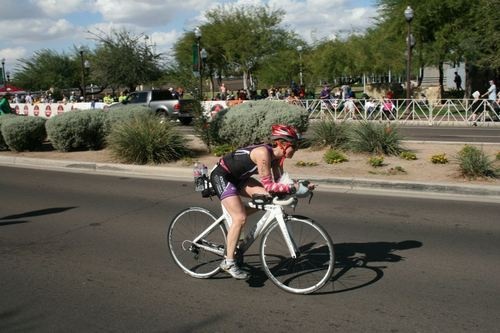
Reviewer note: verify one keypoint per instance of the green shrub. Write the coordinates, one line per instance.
(145, 140)
(497, 157)
(3, 118)
(408, 155)
(334, 156)
(375, 138)
(329, 133)
(474, 163)
(122, 112)
(22, 133)
(306, 164)
(251, 122)
(222, 150)
(75, 130)
(439, 159)
(376, 161)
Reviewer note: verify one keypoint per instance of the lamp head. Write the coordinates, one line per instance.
(197, 32)
(408, 14)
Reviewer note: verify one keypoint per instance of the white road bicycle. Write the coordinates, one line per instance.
(296, 253)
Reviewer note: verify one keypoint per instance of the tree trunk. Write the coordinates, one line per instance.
(468, 81)
(245, 80)
(420, 76)
(441, 78)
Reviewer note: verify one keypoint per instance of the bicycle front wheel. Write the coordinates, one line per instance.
(198, 259)
(313, 266)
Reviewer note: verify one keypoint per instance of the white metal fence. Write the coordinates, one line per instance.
(449, 112)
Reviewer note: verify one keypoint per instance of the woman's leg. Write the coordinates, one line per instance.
(235, 208)
(238, 213)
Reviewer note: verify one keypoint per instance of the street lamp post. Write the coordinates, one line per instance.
(3, 72)
(409, 44)
(83, 72)
(299, 49)
(197, 34)
(203, 59)
(8, 77)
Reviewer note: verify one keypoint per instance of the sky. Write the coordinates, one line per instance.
(31, 25)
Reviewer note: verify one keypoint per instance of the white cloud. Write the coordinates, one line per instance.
(146, 13)
(32, 25)
(35, 30)
(55, 8)
(12, 54)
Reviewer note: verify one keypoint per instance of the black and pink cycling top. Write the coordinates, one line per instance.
(239, 164)
(234, 169)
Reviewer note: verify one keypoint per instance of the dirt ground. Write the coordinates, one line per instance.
(394, 168)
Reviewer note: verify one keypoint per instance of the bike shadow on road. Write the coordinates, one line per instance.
(357, 265)
(15, 218)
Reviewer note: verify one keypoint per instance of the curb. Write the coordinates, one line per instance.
(490, 192)
(394, 185)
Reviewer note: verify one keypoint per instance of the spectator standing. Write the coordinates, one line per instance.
(346, 91)
(370, 107)
(107, 99)
(325, 92)
(302, 92)
(476, 107)
(492, 92)
(4, 105)
(223, 92)
(293, 99)
(28, 99)
(179, 93)
(458, 81)
(123, 96)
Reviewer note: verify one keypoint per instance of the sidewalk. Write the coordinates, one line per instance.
(474, 192)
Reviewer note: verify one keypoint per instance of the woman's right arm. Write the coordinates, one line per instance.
(262, 158)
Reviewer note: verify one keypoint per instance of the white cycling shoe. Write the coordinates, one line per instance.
(233, 270)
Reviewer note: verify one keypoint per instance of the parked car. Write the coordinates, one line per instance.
(164, 104)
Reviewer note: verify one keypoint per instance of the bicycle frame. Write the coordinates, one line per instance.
(273, 212)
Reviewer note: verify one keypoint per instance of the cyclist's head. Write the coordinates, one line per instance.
(286, 133)
(284, 137)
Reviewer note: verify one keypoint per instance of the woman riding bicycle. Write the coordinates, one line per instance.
(232, 177)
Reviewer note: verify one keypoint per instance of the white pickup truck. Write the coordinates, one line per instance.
(164, 104)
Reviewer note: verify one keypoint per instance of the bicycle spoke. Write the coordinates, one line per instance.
(199, 260)
(313, 266)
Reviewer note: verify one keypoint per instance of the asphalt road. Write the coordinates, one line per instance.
(87, 253)
(432, 133)
(451, 134)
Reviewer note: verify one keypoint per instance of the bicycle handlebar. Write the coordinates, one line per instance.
(260, 201)
(284, 202)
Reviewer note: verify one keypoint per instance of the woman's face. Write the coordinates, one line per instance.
(290, 151)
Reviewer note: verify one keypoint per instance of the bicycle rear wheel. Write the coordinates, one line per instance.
(194, 258)
(313, 266)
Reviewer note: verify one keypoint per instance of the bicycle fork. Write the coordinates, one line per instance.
(292, 246)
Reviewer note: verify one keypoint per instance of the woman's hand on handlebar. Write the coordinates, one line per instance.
(303, 188)
(310, 186)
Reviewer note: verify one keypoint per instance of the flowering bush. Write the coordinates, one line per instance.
(408, 155)
(439, 159)
(376, 161)
(334, 156)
